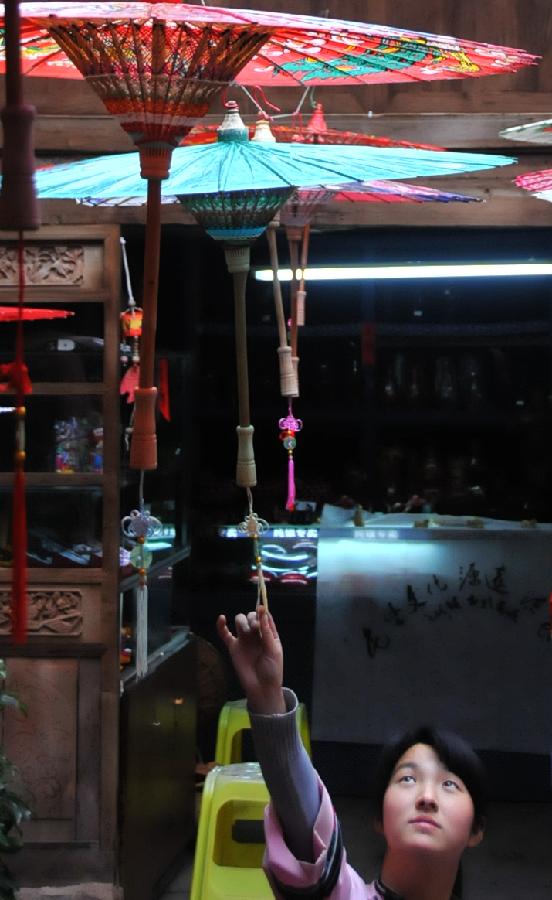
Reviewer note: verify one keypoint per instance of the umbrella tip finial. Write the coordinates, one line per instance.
(317, 123)
(263, 134)
(232, 127)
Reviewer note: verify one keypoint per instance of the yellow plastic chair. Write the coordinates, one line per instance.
(234, 720)
(230, 838)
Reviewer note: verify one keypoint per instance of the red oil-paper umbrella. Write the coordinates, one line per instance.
(157, 66)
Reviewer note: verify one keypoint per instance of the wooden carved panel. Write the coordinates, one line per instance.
(44, 743)
(45, 264)
(57, 612)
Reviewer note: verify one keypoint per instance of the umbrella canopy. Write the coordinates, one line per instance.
(30, 313)
(311, 133)
(265, 48)
(239, 165)
(537, 183)
(532, 133)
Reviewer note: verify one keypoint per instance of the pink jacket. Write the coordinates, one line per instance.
(281, 866)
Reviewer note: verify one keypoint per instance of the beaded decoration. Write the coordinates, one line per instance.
(137, 527)
(289, 426)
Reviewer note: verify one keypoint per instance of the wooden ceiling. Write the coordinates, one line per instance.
(465, 114)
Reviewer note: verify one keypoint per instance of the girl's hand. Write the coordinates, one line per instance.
(257, 656)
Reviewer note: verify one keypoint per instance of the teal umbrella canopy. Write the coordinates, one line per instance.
(243, 165)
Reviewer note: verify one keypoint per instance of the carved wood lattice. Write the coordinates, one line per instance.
(45, 264)
(50, 612)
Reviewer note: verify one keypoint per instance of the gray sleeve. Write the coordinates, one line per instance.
(289, 774)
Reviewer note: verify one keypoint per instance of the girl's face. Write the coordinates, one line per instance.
(426, 807)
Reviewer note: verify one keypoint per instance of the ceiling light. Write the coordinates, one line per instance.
(430, 270)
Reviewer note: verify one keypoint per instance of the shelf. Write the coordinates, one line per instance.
(483, 418)
(535, 332)
(130, 581)
(224, 329)
(57, 479)
(511, 334)
(51, 575)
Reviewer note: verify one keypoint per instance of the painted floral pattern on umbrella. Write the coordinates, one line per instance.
(274, 48)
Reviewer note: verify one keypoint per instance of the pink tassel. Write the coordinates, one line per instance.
(290, 502)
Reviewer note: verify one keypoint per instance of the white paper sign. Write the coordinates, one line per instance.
(443, 629)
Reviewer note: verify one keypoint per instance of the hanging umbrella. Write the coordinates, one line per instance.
(532, 133)
(234, 188)
(537, 183)
(157, 66)
(311, 133)
(271, 48)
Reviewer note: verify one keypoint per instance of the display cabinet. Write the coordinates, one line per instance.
(67, 673)
(76, 750)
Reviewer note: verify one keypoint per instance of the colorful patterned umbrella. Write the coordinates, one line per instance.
(533, 133)
(537, 183)
(262, 48)
(157, 66)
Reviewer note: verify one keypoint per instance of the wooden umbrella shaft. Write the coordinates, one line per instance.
(240, 328)
(276, 286)
(151, 282)
(14, 90)
(143, 445)
(294, 261)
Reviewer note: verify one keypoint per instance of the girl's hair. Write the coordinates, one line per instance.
(453, 751)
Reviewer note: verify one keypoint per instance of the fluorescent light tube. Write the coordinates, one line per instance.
(437, 270)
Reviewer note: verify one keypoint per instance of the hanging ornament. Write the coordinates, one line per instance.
(137, 527)
(289, 426)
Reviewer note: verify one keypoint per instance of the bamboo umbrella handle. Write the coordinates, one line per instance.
(294, 261)
(288, 380)
(143, 444)
(238, 266)
(301, 292)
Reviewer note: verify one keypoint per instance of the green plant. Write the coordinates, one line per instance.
(13, 809)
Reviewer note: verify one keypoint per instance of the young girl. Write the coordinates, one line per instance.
(429, 798)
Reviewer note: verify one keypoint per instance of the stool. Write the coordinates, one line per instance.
(230, 836)
(234, 719)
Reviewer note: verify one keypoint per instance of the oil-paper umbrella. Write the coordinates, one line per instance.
(532, 133)
(537, 183)
(234, 188)
(271, 47)
(157, 66)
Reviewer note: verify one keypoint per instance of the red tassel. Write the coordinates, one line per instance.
(19, 512)
(290, 502)
(19, 544)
